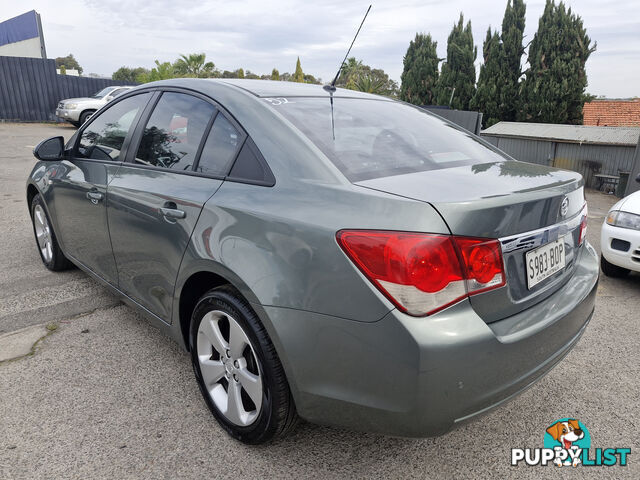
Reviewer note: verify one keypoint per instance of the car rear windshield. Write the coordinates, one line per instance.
(369, 139)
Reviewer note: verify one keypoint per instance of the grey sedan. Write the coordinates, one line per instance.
(324, 254)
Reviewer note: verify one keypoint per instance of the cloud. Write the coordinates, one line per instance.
(259, 35)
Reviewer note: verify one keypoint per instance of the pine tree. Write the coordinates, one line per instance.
(511, 57)
(555, 83)
(275, 74)
(458, 71)
(298, 76)
(420, 73)
(487, 96)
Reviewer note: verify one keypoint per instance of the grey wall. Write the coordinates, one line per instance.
(30, 88)
(471, 121)
(587, 159)
(634, 186)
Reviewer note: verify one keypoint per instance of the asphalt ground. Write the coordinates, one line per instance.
(106, 395)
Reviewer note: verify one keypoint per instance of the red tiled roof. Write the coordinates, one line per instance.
(612, 113)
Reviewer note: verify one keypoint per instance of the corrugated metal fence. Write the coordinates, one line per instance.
(30, 88)
(586, 159)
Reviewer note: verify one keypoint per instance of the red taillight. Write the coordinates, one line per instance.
(583, 226)
(423, 273)
(483, 261)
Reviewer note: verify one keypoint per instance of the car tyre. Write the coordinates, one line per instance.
(46, 239)
(611, 270)
(86, 115)
(232, 352)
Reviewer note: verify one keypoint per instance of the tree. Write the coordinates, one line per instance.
(126, 74)
(420, 73)
(161, 71)
(370, 80)
(239, 73)
(69, 62)
(355, 75)
(456, 84)
(195, 65)
(349, 72)
(513, 24)
(63, 70)
(298, 76)
(250, 74)
(275, 74)
(368, 83)
(554, 87)
(487, 96)
(498, 92)
(308, 78)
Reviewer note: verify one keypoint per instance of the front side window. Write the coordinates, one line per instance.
(378, 138)
(173, 133)
(102, 139)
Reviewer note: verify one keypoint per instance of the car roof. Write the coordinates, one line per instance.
(262, 88)
(273, 88)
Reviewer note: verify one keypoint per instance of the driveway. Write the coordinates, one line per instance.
(105, 395)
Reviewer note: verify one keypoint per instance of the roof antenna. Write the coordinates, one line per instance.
(332, 87)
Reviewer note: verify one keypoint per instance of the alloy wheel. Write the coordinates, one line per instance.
(229, 367)
(43, 233)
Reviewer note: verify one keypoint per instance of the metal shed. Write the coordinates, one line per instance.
(584, 149)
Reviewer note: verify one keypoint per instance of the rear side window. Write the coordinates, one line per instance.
(173, 133)
(102, 139)
(368, 138)
(220, 148)
(251, 167)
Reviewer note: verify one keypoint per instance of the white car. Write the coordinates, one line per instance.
(79, 110)
(620, 240)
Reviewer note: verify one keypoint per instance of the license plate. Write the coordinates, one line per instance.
(544, 261)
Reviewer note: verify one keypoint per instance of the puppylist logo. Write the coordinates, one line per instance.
(566, 443)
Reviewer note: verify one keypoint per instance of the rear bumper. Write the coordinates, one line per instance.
(419, 377)
(629, 258)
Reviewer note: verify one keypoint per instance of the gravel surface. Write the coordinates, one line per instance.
(106, 395)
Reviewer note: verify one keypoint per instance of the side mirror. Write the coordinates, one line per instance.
(50, 150)
(108, 98)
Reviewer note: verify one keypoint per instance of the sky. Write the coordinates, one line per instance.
(259, 35)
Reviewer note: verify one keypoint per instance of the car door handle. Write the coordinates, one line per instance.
(95, 197)
(172, 213)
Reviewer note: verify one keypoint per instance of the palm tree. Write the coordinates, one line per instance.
(367, 83)
(351, 69)
(195, 65)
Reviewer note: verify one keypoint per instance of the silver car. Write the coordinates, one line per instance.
(78, 110)
(321, 253)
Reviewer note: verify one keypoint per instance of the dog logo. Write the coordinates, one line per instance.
(566, 443)
(566, 433)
